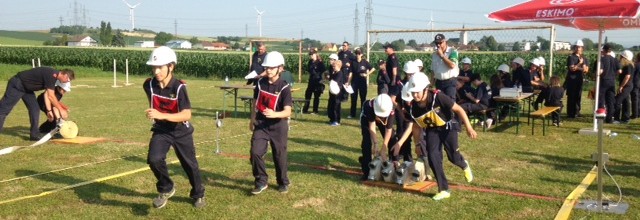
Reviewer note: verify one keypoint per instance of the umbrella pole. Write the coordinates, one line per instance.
(594, 130)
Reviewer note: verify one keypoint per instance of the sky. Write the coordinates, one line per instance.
(326, 20)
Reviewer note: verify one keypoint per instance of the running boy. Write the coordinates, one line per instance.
(434, 112)
(269, 124)
(376, 113)
(170, 111)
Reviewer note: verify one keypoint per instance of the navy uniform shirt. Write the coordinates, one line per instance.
(469, 74)
(610, 67)
(370, 116)
(358, 68)
(636, 76)
(42, 104)
(315, 71)
(522, 77)
(573, 59)
(173, 98)
(626, 71)
(346, 57)
(38, 78)
(392, 61)
(279, 88)
(256, 62)
(555, 96)
(444, 102)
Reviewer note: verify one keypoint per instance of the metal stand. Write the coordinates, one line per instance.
(601, 157)
(218, 127)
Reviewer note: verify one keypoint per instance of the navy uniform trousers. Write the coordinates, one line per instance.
(14, 92)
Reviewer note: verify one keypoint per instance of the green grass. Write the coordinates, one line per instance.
(550, 166)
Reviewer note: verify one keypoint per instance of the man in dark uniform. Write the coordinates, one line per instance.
(392, 67)
(24, 84)
(359, 74)
(346, 57)
(609, 69)
(170, 110)
(577, 66)
(269, 124)
(256, 62)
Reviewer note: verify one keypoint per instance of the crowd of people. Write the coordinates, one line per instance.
(407, 109)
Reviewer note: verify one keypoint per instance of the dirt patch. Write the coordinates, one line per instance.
(310, 202)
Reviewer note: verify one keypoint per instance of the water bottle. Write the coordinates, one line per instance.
(226, 80)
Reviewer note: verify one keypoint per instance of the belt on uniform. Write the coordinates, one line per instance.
(452, 78)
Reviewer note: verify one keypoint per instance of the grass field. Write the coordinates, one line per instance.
(550, 166)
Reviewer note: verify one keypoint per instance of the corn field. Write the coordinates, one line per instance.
(235, 64)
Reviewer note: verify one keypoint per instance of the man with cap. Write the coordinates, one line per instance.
(444, 65)
(577, 67)
(609, 69)
(466, 73)
(45, 106)
(269, 124)
(393, 70)
(360, 71)
(170, 111)
(24, 84)
(256, 62)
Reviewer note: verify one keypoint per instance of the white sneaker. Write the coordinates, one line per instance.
(489, 122)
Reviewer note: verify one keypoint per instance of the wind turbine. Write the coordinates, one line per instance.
(131, 17)
(259, 20)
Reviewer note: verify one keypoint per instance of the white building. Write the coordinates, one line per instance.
(179, 44)
(559, 45)
(82, 41)
(144, 44)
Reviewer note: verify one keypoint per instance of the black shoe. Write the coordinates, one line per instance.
(283, 188)
(258, 189)
(36, 137)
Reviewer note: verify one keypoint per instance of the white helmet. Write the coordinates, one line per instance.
(535, 62)
(334, 88)
(273, 59)
(382, 105)
(627, 54)
(68, 129)
(406, 94)
(466, 60)
(418, 82)
(579, 43)
(162, 56)
(418, 63)
(66, 86)
(519, 60)
(333, 56)
(410, 67)
(542, 61)
(504, 68)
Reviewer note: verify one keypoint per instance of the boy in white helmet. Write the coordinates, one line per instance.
(377, 113)
(46, 106)
(170, 110)
(577, 67)
(433, 112)
(269, 124)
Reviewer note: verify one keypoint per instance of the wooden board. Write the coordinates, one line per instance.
(415, 187)
(79, 140)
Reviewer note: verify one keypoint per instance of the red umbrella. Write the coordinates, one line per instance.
(588, 15)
